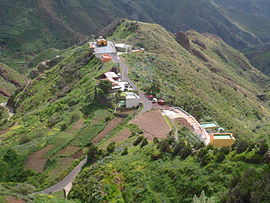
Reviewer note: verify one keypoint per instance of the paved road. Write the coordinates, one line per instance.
(67, 180)
(147, 104)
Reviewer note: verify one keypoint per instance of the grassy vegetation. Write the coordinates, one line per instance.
(208, 79)
(57, 109)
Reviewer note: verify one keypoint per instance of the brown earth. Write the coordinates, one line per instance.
(37, 160)
(76, 126)
(114, 123)
(14, 200)
(153, 124)
(77, 155)
(121, 136)
(68, 151)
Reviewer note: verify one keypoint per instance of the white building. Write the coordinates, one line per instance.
(132, 100)
(123, 48)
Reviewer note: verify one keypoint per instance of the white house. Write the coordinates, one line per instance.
(132, 100)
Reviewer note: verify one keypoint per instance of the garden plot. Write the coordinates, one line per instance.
(68, 151)
(153, 124)
(114, 123)
(37, 160)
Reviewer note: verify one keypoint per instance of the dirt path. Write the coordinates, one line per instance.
(153, 124)
(114, 123)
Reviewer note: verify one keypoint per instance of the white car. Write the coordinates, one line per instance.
(154, 100)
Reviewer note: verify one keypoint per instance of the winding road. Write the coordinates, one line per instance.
(66, 183)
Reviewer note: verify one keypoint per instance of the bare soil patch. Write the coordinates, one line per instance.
(14, 200)
(77, 155)
(37, 160)
(114, 123)
(121, 136)
(153, 124)
(68, 151)
(76, 126)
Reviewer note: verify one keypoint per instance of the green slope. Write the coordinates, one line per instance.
(10, 80)
(53, 112)
(208, 78)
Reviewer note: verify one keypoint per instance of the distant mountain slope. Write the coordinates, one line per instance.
(260, 57)
(10, 80)
(28, 27)
(252, 16)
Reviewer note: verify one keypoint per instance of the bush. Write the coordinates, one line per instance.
(156, 156)
(111, 147)
(24, 139)
(185, 152)
(125, 152)
(144, 142)
(241, 146)
(138, 140)
(263, 148)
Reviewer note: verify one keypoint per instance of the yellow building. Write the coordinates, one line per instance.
(221, 139)
(102, 42)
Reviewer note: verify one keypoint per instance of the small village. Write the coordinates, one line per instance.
(210, 133)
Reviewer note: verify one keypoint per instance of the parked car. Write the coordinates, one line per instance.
(154, 100)
(150, 97)
(161, 102)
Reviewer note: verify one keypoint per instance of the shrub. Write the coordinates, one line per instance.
(185, 152)
(156, 156)
(263, 148)
(144, 142)
(155, 140)
(24, 139)
(111, 147)
(241, 146)
(125, 152)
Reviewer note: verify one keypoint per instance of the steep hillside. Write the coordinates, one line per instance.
(56, 117)
(212, 81)
(10, 80)
(28, 27)
(202, 74)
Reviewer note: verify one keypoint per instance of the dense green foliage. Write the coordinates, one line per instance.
(171, 176)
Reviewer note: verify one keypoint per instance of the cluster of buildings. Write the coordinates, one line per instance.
(128, 99)
(217, 136)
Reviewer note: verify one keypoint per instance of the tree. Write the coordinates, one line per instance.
(94, 154)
